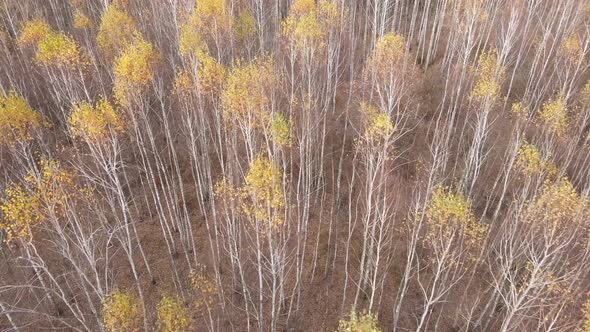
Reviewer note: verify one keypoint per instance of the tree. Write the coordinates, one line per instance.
(273, 164)
(52, 48)
(454, 235)
(553, 116)
(205, 292)
(263, 202)
(116, 31)
(247, 101)
(95, 123)
(81, 20)
(586, 312)
(121, 312)
(20, 211)
(57, 49)
(44, 195)
(552, 219)
(18, 122)
(363, 322)
(529, 160)
(33, 32)
(209, 24)
(375, 147)
(133, 69)
(489, 75)
(172, 316)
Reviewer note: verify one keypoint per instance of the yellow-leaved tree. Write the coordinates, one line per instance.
(572, 49)
(58, 49)
(489, 74)
(586, 313)
(557, 208)
(245, 26)
(172, 316)
(32, 32)
(95, 123)
(553, 116)
(81, 20)
(261, 198)
(529, 160)
(387, 57)
(378, 125)
(116, 31)
(54, 185)
(520, 111)
(134, 69)
(309, 23)
(280, 130)
(263, 193)
(207, 78)
(18, 121)
(388, 72)
(20, 210)
(53, 48)
(121, 312)
(210, 19)
(246, 96)
(214, 15)
(45, 194)
(359, 322)
(211, 75)
(190, 38)
(204, 288)
(449, 215)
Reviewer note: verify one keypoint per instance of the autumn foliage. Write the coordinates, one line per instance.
(294, 165)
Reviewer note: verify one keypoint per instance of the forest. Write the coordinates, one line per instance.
(295, 165)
